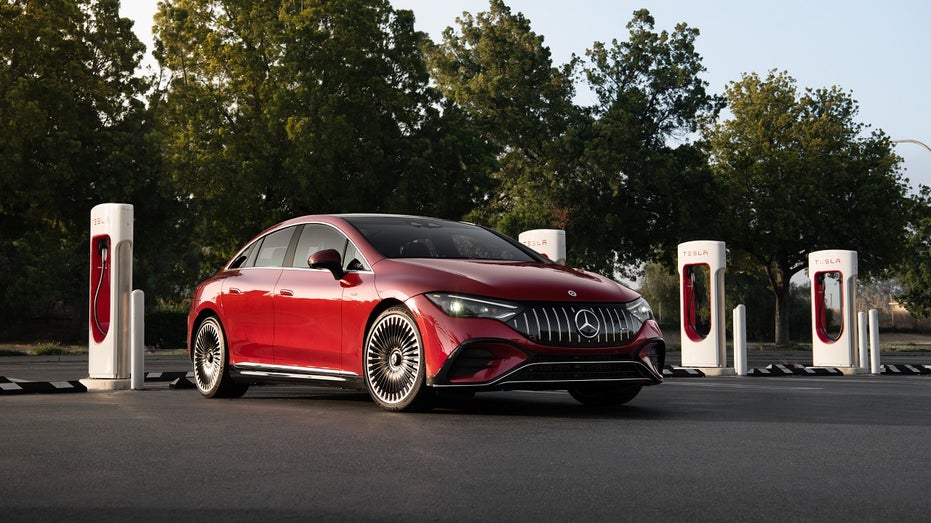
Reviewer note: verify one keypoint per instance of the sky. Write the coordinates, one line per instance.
(876, 51)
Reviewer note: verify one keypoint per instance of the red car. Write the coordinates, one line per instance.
(410, 308)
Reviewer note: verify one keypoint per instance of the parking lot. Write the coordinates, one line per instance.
(728, 448)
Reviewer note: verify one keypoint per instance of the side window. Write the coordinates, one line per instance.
(316, 238)
(250, 261)
(274, 248)
(240, 261)
(352, 261)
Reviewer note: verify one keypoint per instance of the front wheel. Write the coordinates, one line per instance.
(394, 362)
(605, 397)
(211, 362)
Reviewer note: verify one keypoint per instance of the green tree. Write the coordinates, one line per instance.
(800, 174)
(69, 120)
(275, 109)
(498, 73)
(636, 191)
(605, 174)
(660, 286)
(915, 270)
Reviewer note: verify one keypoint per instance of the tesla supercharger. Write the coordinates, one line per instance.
(701, 273)
(548, 242)
(833, 275)
(111, 270)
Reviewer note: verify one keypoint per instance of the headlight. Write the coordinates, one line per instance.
(640, 309)
(460, 306)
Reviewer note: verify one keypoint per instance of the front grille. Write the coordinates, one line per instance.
(576, 325)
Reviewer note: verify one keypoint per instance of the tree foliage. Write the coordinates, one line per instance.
(914, 292)
(69, 116)
(605, 173)
(263, 110)
(498, 73)
(635, 191)
(275, 109)
(800, 174)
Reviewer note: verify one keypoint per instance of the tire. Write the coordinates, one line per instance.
(211, 362)
(393, 362)
(605, 397)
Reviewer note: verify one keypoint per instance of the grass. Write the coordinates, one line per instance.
(905, 347)
(54, 348)
(45, 348)
(888, 342)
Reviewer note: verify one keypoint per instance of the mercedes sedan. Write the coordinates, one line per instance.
(412, 309)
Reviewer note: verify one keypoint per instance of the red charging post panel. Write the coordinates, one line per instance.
(689, 288)
(100, 286)
(821, 310)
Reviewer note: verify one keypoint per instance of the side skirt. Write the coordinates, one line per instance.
(262, 373)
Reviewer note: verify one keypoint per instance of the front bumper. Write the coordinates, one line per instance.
(486, 354)
(498, 365)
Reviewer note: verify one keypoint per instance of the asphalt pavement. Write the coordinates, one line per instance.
(707, 449)
(74, 367)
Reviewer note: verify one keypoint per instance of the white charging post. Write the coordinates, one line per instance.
(111, 269)
(548, 242)
(833, 275)
(740, 340)
(137, 335)
(703, 343)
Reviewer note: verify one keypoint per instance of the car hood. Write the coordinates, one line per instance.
(517, 281)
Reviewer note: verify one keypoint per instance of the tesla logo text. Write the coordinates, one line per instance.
(703, 252)
(826, 261)
(587, 322)
(535, 243)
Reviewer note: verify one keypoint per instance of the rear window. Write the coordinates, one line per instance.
(403, 237)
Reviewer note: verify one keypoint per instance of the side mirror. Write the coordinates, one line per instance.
(328, 259)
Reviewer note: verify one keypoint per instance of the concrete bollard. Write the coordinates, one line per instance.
(137, 337)
(874, 342)
(740, 340)
(863, 342)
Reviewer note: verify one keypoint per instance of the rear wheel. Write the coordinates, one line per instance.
(605, 397)
(394, 362)
(211, 362)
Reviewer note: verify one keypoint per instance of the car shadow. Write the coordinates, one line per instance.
(549, 404)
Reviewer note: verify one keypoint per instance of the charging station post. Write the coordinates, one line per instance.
(701, 274)
(833, 276)
(111, 268)
(548, 242)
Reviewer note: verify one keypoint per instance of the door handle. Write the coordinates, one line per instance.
(235, 290)
(286, 292)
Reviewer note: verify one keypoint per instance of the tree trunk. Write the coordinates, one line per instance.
(781, 288)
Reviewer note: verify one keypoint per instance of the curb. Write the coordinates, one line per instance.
(681, 372)
(906, 370)
(183, 379)
(795, 369)
(9, 387)
(168, 376)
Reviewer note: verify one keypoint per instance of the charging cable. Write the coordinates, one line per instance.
(103, 272)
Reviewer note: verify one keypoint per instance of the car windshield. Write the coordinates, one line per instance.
(411, 237)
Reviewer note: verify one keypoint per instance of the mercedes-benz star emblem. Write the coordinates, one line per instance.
(573, 293)
(588, 323)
